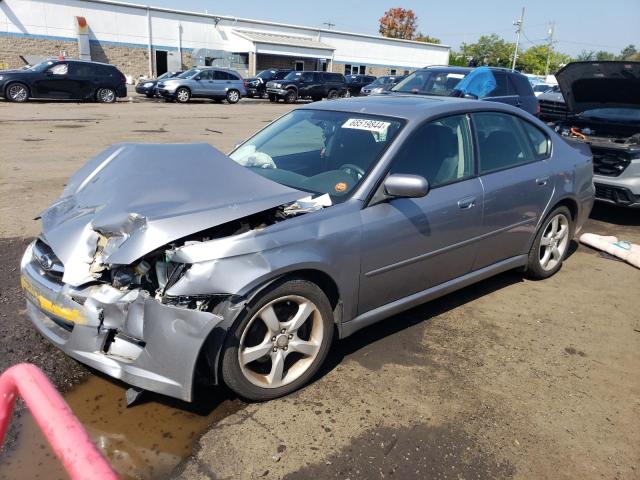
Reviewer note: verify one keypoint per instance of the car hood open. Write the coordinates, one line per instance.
(589, 85)
(138, 198)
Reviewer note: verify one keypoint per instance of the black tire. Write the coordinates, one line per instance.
(273, 98)
(183, 95)
(332, 95)
(149, 95)
(290, 97)
(17, 92)
(106, 95)
(534, 268)
(233, 96)
(232, 372)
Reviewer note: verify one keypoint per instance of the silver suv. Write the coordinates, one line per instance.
(204, 82)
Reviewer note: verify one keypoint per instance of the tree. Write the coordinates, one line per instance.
(628, 52)
(586, 56)
(534, 60)
(398, 23)
(421, 37)
(603, 55)
(490, 50)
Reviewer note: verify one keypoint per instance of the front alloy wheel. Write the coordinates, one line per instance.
(17, 92)
(106, 95)
(279, 343)
(183, 95)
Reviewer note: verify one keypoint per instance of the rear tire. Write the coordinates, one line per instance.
(278, 343)
(17, 92)
(551, 244)
(106, 95)
(233, 96)
(183, 95)
(290, 97)
(332, 95)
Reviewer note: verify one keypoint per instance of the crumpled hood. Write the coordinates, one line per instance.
(140, 197)
(589, 85)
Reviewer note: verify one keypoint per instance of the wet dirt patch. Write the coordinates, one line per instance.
(157, 130)
(573, 351)
(142, 442)
(33, 139)
(420, 451)
(69, 126)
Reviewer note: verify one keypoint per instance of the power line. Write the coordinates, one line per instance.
(329, 25)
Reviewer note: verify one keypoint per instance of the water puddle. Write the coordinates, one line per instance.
(142, 442)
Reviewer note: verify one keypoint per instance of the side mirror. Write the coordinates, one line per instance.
(470, 96)
(402, 185)
(198, 78)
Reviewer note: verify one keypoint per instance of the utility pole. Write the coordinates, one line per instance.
(552, 29)
(329, 25)
(519, 24)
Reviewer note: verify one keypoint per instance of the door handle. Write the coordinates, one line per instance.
(467, 203)
(542, 181)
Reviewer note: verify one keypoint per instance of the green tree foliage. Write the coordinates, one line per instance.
(534, 60)
(490, 50)
(421, 37)
(628, 52)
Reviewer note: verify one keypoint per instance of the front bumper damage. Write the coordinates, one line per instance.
(126, 334)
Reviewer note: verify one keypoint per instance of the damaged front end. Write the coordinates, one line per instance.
(99, 279)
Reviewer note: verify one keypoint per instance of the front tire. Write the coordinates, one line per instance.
(551, 244)
(290, 97)
(183, 95)
(17, 92)
(106, 95)
(233, 96)
(279, 341)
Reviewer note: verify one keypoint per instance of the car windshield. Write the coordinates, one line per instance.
(42, 66)
(189, 73)
(165, 75)
(429, 82)
(541, 87)
(265, 74)
(613, 114)
(318, 151)
(378, 82)
(292, 75)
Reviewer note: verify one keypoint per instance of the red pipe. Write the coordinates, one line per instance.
(65, 433)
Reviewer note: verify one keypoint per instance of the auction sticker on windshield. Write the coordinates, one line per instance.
(366, 124)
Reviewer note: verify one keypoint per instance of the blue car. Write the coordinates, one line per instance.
(204, 82)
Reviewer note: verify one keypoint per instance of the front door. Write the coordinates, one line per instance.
(412, 244)
(203, 83)
(517, 184)
(56, 83)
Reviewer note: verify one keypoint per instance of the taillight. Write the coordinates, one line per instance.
(244, 82)
(537, 108)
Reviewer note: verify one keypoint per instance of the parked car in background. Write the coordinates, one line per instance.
(381, 84)
(257, 86)
(64, 80)
(242, 268)
(552, 105)
(355, 83)
(603, 111)
(148, 87)
(540, 88)
(307, 84)
(204, 82)
(484, 83)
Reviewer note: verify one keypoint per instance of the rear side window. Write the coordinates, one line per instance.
(540, 143)
(502, 141)
(219, 75)
(502, 87)
(521, 85)
(82, 70)
(233, 76)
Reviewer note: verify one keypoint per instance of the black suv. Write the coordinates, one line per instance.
(257, 86)
(484, 83)
(64, 80)
(356, 82)
(313, 85)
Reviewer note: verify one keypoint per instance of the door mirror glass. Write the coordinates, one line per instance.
(400, 185)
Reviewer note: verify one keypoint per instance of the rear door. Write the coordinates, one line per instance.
(501, 93)
(516, 181)
(83, 76)
(221, 81)
(526, 98)
(412, 244)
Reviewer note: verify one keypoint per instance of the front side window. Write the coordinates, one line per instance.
(307, 77)
(319, 151)
(439, 151)
(60, 69)
(502, 142)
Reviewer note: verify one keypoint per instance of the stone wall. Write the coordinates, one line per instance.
(11, 47)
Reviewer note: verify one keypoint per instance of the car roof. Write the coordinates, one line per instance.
(410, 107)
(78, 60)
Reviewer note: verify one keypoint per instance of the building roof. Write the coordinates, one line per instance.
(260, 22)
(281, 39)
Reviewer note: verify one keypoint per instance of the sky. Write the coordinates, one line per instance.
(580, 24)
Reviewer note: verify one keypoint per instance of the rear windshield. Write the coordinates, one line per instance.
(429, 82)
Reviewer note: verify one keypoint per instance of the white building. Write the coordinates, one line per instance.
(143, 40)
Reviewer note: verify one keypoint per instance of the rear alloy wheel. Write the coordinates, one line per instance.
(233, 96)
(18, 92)
(551, 244)
(279, 342)
(183, 95)
(333, 94)
(290, 97)
(106, 95)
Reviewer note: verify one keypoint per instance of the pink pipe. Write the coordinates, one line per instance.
(65, 433)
